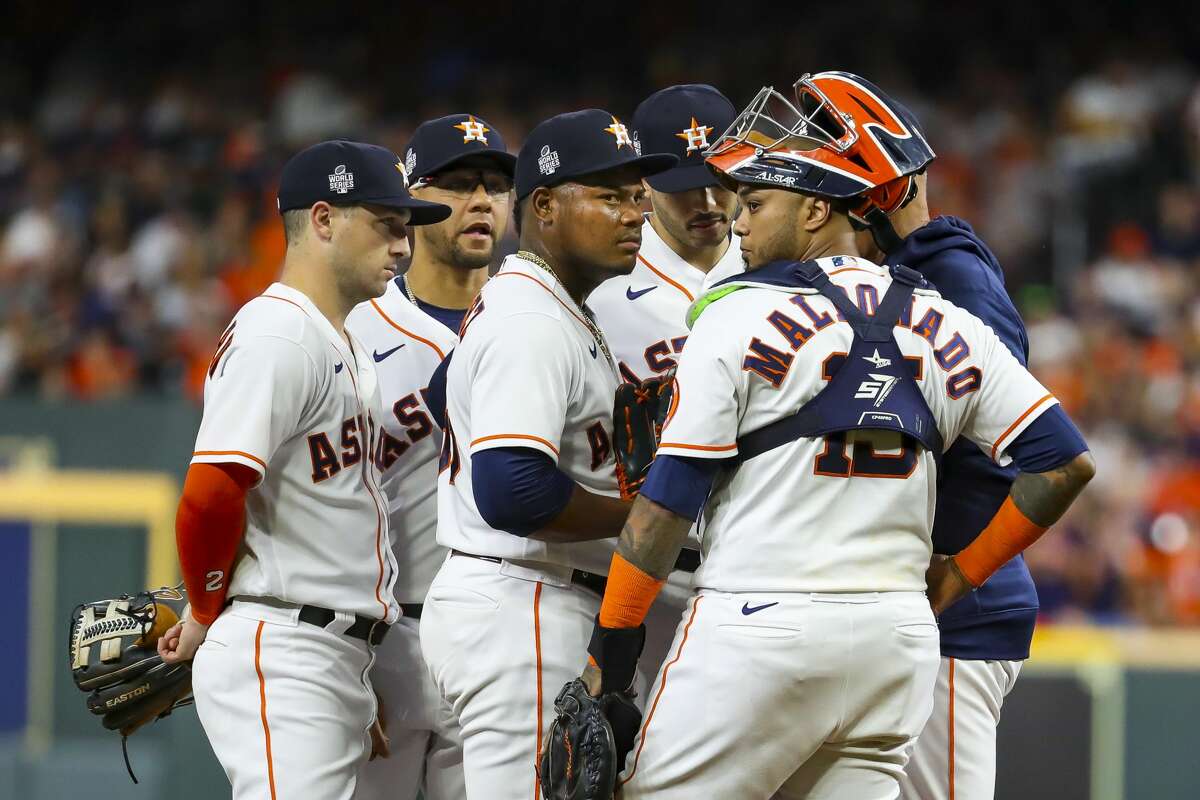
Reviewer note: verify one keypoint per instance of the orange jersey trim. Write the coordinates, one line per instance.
(285, 300)
(652, 268)
(262, 706)
(1020, 419)
(950, 775)
(570, 310)
(658, 696)
(714, 448)
(514, 436)
(405, 331)
(255, 459)
(537, 649)
(854, 269)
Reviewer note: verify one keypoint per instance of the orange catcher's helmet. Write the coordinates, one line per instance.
(839, 136)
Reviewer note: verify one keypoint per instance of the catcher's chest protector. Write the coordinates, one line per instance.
(873, 387)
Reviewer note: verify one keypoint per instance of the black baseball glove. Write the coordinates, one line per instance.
(639, 412)
(114, 657)
(587, 743)
(590, 737)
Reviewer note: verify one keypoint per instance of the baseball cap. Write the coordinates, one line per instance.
(580, 143)
(440, 142)
(342, 173)
(682, 120)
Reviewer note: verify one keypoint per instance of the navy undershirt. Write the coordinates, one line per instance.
(450, 317)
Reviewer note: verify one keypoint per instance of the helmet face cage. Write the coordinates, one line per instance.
(772, 122)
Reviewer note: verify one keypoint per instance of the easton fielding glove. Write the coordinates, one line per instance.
(114, 658)
(639, 413)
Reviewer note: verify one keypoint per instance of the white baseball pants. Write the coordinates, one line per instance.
(808, 695)
(286, 705)
(426, 749)
(955, 755)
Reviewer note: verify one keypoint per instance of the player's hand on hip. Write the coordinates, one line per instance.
(182, 640)
(381, 745)
(944, 583)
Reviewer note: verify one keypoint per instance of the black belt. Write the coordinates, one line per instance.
(411, 610)
(365, 628)
(687, 561)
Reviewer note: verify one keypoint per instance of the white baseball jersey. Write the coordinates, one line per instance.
(832, 514)
(406, 345)
(527, 373)
(642, 314)
(290, 398)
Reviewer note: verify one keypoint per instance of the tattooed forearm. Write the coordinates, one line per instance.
(1043, 497)
(652, 537)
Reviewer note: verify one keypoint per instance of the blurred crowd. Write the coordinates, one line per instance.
(137, 214)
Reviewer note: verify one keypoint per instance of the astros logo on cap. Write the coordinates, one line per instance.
(695, 136)
(620, 132)
(473, 131)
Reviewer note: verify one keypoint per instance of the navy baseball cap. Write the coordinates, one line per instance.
(345, 173)
(683, 120)
(576, 144)
(438, 143)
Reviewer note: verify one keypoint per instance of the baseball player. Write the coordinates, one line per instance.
(813, 402)
(685, 238)
(461, 162)
(527, 489)
(282, 527)
(986, 636)
(686, 245)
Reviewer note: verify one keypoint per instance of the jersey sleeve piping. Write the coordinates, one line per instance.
(230, 457)
(699, 450)
(515, 439)
(1015, 429)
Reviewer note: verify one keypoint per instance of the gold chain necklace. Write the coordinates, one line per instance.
(584, 314)
(408, 291)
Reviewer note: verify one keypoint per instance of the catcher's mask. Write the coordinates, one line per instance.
(839, 137)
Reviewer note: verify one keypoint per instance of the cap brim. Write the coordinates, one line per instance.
(683, 179)
(506, 161)
(646, 165)
(423, 213)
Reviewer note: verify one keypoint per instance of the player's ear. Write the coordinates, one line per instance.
(320, 216)
(542, 203)
(815, 212)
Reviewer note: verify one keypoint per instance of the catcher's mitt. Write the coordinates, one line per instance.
(114, 656)
(586, 745)
(639, 412)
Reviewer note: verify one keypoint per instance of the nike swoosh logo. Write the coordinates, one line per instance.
(748, 610)
(338, 368)
(630, 294)
(592, 350)
(381, 356)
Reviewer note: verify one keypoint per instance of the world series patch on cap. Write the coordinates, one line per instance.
(439, 143)
(580, 143)
(345, 173)
(682, 120)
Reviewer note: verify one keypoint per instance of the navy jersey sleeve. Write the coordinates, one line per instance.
(518, 489)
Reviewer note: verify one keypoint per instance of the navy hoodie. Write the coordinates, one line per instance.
(997, 620)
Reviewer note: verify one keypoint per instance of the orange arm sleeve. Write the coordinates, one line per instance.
(628, 596)
(209, 526)
(1008, 534)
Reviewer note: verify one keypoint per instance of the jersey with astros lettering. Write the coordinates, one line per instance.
(846, 512)
(289, 397)
(406, 345)
(527, 373)
(642, 314)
